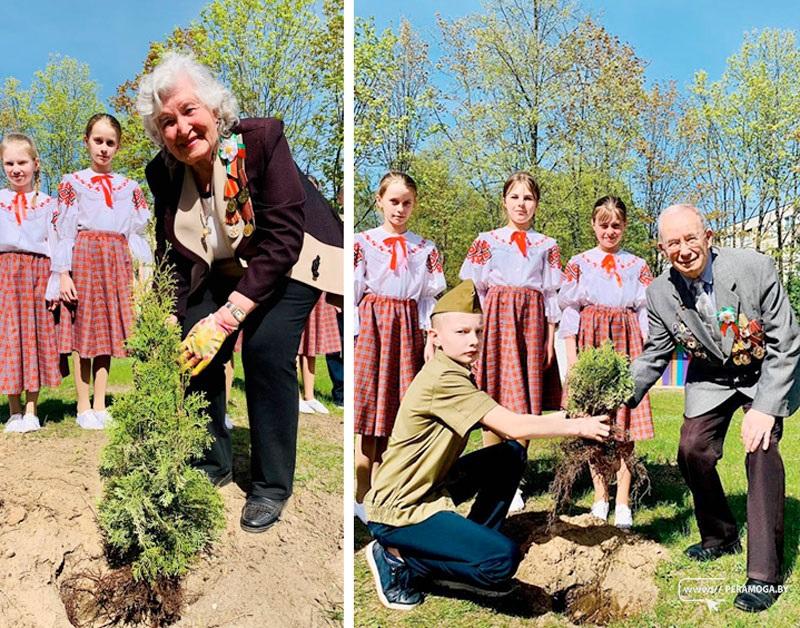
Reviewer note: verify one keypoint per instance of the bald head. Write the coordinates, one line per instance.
(685, 239)
(680, 212)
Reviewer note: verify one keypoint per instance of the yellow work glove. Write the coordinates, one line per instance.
(202, 343)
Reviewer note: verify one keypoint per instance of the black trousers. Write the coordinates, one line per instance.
(269, 349)
(700, 448)
(472, 549)
(335, 363)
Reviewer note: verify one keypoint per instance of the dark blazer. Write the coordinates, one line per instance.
(281, 218)
(748, 283)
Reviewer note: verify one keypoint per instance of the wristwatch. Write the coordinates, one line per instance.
(237, 312)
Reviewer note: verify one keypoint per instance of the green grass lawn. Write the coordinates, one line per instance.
(319, 450)
(665, 516)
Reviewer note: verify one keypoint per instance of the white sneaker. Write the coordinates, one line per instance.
(623, 517)
(103, 416)
(15, 424)
(30, 423)
(305, 408)
(317, 406)
(228, 422)
(88, 421)
(517, 503)
(600, 510)
(360, 512)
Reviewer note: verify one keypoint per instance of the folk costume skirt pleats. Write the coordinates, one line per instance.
(103, 276)
(388, 354)
(621, 326)
(27, 329)
(321, 333)
(511, 365)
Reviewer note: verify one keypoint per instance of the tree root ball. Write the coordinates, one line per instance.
(115, 598)
(576, 455)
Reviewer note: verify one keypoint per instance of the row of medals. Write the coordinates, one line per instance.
(234, 203)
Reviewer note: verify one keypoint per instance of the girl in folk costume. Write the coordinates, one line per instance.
(320, 337)
(517, 273)
(398, 276)
(603, 298)
(102, 221)
(27, 331)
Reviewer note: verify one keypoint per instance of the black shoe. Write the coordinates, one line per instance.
(757, 595)
(698, 552)
(221, 480)
(392, 579)
(496, 591)
(260, 513)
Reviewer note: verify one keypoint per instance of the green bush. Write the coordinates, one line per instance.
(599, 382)
(157, 511)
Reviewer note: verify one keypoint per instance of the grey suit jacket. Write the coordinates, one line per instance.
(748, 282)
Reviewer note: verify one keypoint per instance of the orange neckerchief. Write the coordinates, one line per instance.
(392, 243)
(105, 184)
(610, 266)
(521, 240)
(20, 205)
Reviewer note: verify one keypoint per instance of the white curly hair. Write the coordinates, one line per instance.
(155, 86)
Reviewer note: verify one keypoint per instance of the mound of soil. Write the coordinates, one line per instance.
(290, 575)
(594, 572)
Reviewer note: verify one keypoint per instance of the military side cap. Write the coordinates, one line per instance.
(463, 298)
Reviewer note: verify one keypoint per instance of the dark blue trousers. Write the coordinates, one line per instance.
(471, 550)
(336, 365)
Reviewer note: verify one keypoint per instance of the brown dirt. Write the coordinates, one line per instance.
(290, 575)
(593, 572)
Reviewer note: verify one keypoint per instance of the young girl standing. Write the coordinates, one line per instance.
(398, 276)
(102, 220)
(27, 330)
(603, 298)
(517, 273)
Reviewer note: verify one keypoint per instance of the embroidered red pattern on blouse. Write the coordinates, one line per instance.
(358, 254)
(479, 252)
(139, 200)
(434, 262)
(66, 193)
(554, 257)
(572, 272)
(645, 276)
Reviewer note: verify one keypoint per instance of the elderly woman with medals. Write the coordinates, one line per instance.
(232, 218)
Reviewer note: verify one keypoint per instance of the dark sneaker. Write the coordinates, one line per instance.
(221, 480)
(260, 513)
(496, 591)
(698, 552)
(757, 595)
(392, 579)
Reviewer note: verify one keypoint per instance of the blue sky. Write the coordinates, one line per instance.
(675, 37)
(112, 36)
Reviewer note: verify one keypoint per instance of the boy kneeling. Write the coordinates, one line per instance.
(410, 507)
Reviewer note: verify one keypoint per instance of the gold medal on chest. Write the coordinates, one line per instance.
(248, 230)
(233, 231)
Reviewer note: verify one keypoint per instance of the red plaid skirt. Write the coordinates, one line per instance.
(388, 354)
(103, 276)
(27, 331)
(321, 334)
(509, 368)
(621, 326)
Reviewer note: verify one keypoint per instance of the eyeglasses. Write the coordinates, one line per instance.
(691, 240)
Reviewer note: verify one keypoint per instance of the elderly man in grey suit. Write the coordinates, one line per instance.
(727, 308)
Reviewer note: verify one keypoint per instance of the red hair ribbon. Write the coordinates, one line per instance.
(20, 204)
(521, 240)
(610, 266)
(392, 243)
(105, 184)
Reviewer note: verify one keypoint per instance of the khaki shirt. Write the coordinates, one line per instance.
(436, 415)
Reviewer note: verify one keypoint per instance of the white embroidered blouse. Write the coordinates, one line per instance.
(403, 266)
(598, 278)
(529, 260)
(90, 201)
